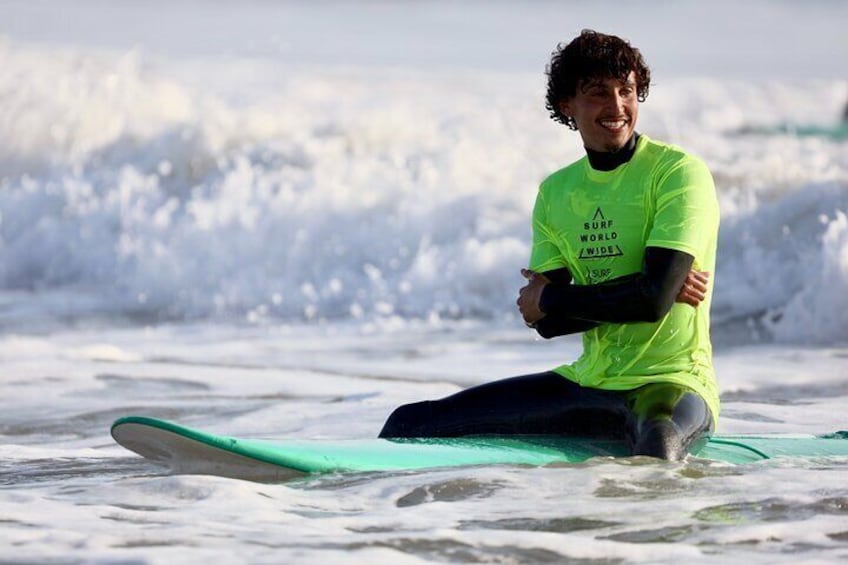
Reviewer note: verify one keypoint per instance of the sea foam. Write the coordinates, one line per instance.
(130, 191)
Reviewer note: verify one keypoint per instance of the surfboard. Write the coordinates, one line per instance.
(836, 132)
(184, 450)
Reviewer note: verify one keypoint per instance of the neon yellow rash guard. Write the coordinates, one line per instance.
(598, 224)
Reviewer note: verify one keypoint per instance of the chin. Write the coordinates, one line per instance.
(619, 142)
(613, 147)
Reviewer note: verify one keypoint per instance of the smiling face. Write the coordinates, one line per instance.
(605, 110)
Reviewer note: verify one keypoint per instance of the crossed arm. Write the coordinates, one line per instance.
(554, 306)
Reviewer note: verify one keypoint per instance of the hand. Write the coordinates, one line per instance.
(529, 296)
(694, 288)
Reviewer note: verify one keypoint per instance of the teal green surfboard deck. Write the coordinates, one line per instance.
(186, 450)
(836, 132)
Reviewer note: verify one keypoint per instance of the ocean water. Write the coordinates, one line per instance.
(280, 219)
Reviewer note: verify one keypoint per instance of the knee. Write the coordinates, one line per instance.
(408, 420)
(661, 439)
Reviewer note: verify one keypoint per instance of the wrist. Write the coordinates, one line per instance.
(544, 299)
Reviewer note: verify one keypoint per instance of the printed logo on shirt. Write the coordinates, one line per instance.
(598, 240)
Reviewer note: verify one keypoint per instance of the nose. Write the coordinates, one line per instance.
(617, 102)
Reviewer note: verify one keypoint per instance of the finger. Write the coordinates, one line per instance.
(699, 296)
(703, 276)
(694, 289)
(527, 274)
(697, 286)
(690, 300)
(689, 295)
(696, 294)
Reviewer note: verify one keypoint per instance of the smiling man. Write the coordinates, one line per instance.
(604, 111)
(623, 240)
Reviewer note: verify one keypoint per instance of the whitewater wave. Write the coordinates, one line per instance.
(127, 192)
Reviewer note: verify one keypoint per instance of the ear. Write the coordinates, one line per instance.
(564, 107)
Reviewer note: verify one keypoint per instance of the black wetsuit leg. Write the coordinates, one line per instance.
(540, 404)
(660, 420)
(667, 421)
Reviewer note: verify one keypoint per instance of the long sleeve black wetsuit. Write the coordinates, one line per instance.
(646, 296)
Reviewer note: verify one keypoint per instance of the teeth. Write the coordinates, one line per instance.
(614, 124)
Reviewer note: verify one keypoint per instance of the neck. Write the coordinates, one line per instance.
(609, 160)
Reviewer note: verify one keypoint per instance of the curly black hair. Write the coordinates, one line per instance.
(592, 55)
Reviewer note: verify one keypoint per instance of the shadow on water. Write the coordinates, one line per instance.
(69, 471)
(789, 394)
(448, 491)
(562, 525)
(447, 550)
(773, 510)
(96, 423)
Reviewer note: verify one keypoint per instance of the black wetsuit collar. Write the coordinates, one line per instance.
(607, 161)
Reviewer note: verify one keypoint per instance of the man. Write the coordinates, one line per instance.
(622, 241)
